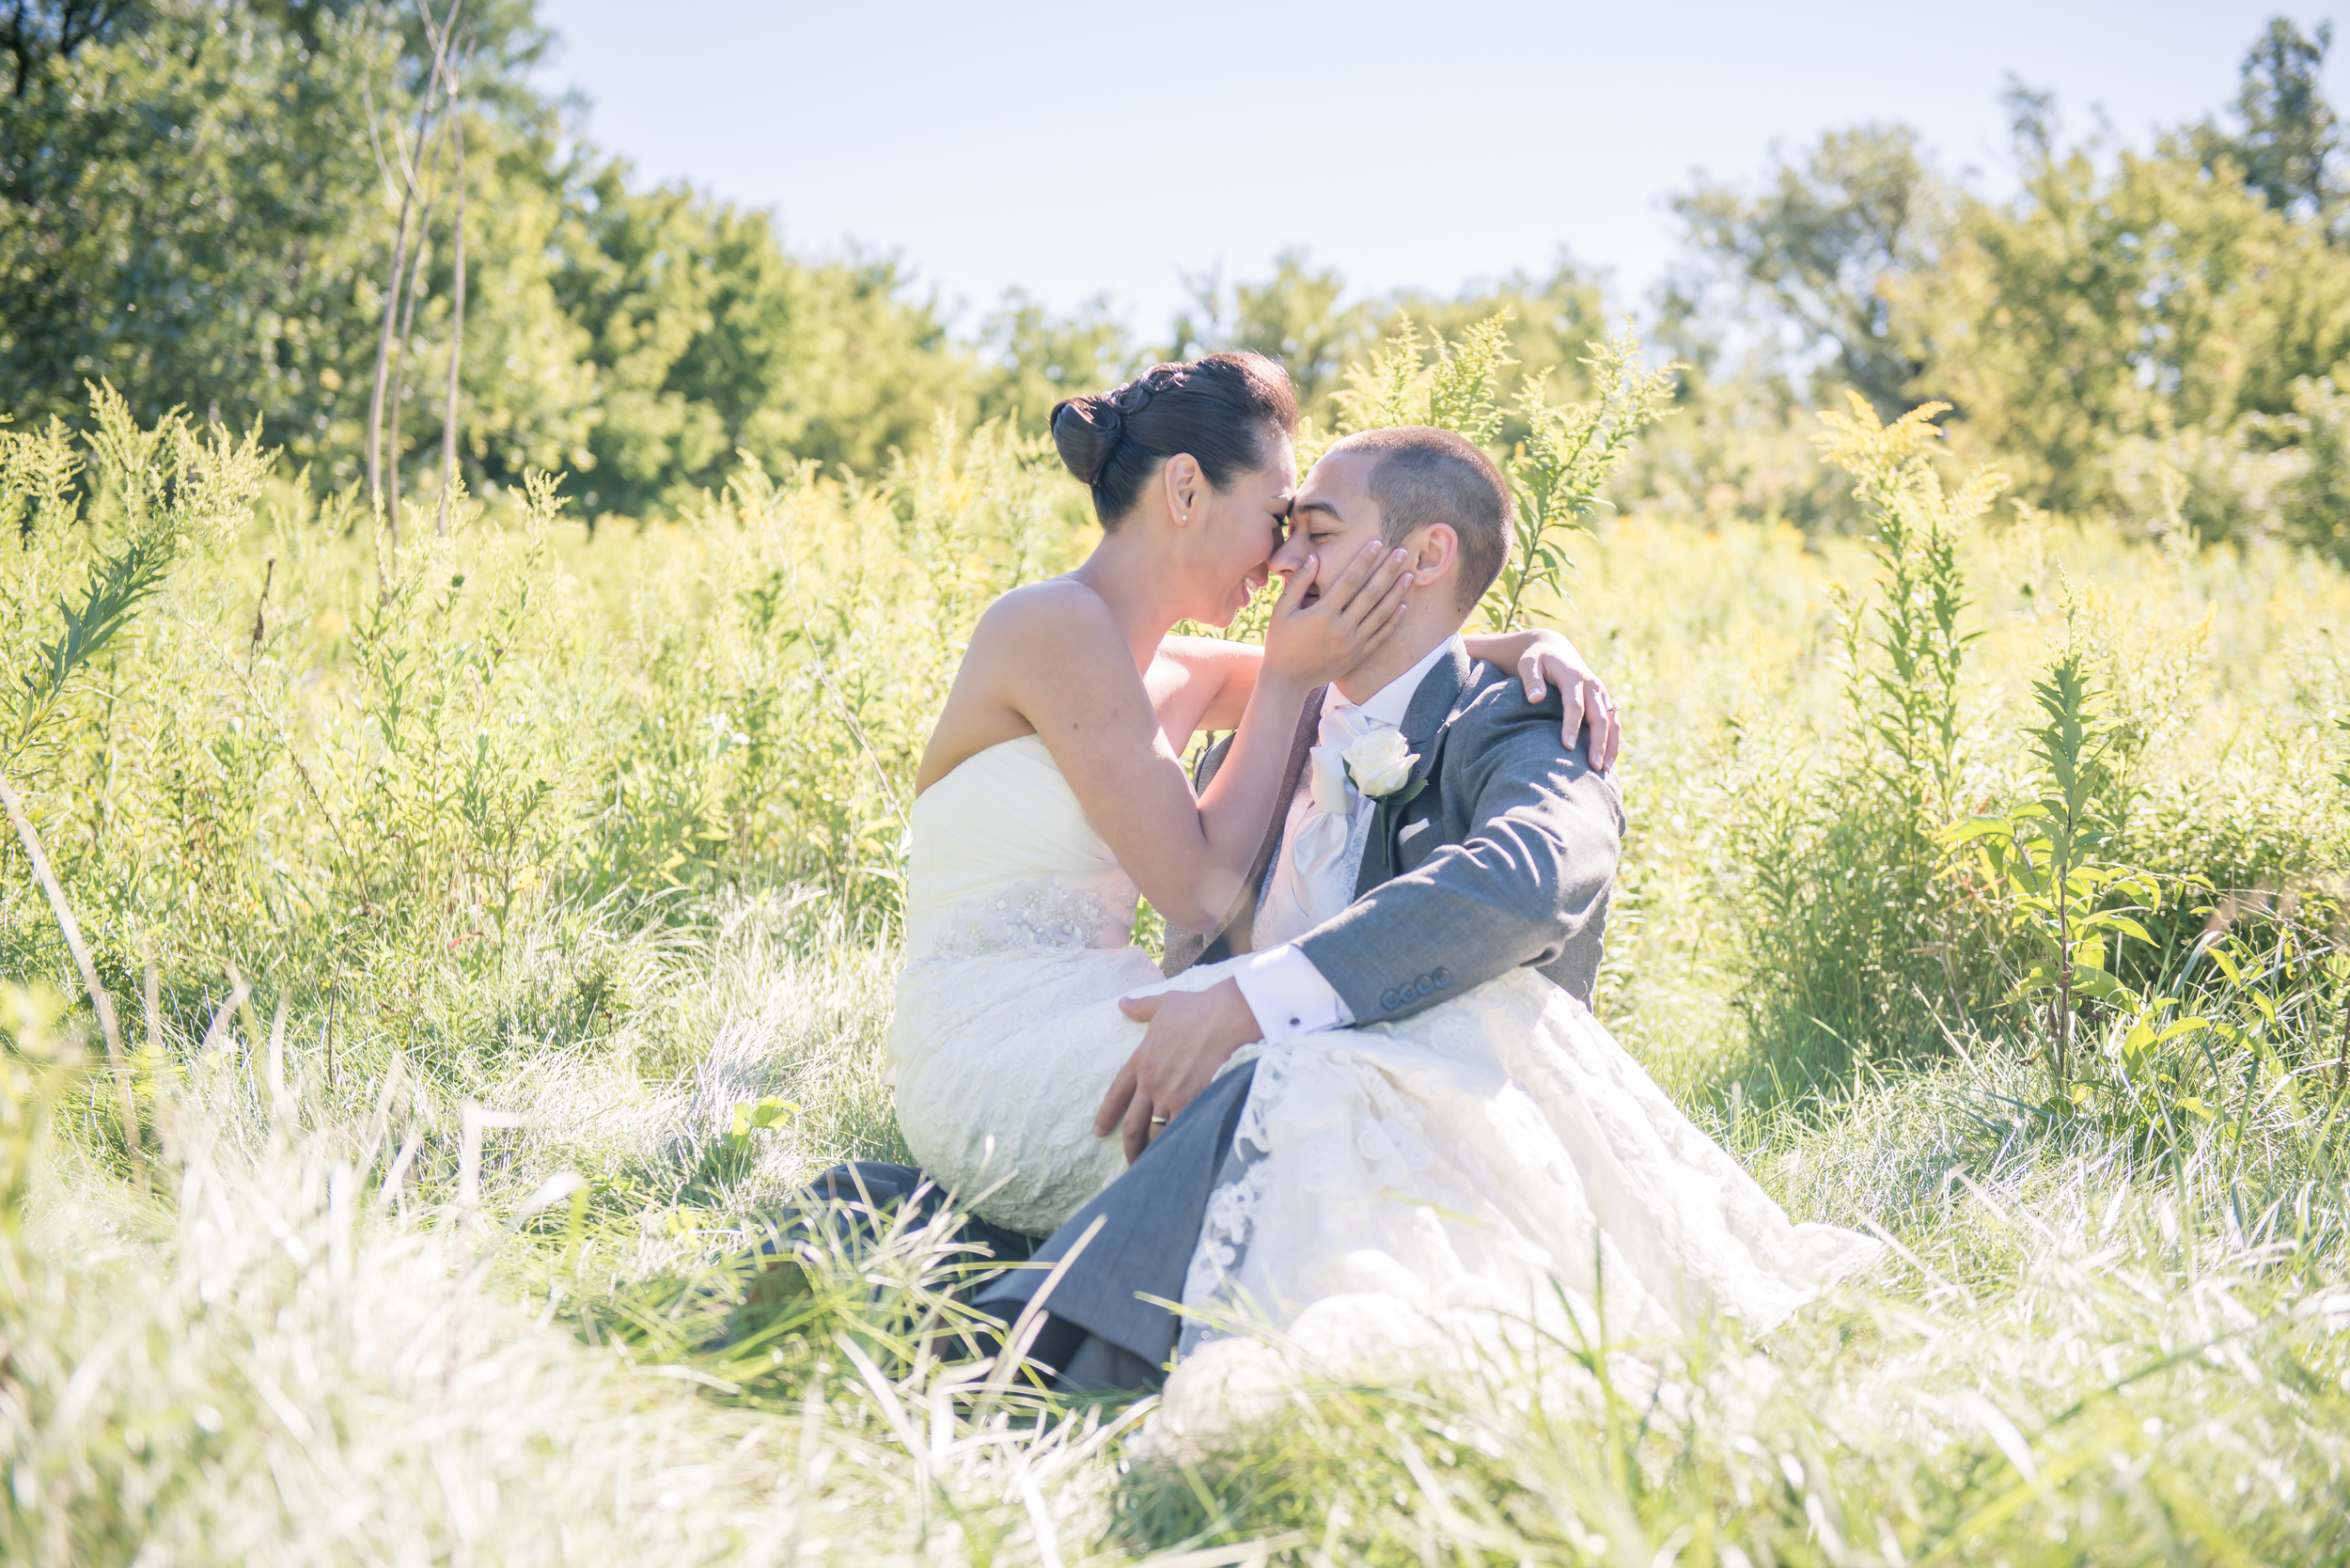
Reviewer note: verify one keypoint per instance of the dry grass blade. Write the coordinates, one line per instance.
(100, 1002)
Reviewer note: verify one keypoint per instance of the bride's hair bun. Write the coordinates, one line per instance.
(1217, 409)
(1086, 432)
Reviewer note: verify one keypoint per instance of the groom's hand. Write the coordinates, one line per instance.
(1191, 1034)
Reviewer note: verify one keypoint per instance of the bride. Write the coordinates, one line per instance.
(1497, 1147)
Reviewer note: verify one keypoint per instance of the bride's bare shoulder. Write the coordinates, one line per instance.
(1059, 615)
(1035, 647)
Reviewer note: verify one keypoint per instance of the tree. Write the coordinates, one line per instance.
(1826, 246)
(38, 33)
(192, 207)
(2288, 151)
(1294, 316)
(189, 209)
(1033, 359)
(181, 212)
(1301, 317)
(2101, 309)
(705, 338)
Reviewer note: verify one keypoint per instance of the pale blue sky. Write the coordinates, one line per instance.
(1080, 149)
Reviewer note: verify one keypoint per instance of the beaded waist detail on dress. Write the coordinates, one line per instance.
(1044, 912)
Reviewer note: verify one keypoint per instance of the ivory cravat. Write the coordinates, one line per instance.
(1325, 873)
(1314, 878)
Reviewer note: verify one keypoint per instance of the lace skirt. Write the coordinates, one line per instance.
(1500, 1156)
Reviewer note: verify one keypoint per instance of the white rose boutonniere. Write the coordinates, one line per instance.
(1378, 762)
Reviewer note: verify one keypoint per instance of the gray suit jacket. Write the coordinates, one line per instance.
(1500, 851)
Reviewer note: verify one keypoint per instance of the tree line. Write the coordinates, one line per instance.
(228, 204)
(364, 226)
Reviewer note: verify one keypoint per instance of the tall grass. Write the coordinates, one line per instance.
(496, 946)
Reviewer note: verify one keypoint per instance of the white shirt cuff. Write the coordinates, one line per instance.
(1287, 993)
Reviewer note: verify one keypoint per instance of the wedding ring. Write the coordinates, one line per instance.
(1158, 1121)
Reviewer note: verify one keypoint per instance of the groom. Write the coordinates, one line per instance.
(1438, 834)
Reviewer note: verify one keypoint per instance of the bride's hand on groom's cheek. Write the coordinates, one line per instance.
(1358, 607)
(1190, 1034)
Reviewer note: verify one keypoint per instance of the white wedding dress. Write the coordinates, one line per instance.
(1496, 1153)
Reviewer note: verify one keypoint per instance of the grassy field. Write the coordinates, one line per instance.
(494, 938)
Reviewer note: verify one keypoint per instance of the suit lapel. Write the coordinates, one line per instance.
(1435, 706)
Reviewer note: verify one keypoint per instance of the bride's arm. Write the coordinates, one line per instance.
(1203, 684)
(1058, 658)
(1544, 658)
(1213, 678)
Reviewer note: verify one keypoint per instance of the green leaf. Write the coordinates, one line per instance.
(117, 588)
(2122, 924)
(770, 1110)
(1404, 796)
(2098, 983)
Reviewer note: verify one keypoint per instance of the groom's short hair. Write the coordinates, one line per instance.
(1421, 475)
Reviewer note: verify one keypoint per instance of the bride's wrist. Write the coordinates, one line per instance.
(1279, 688)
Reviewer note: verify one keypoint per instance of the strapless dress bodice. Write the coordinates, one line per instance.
(1005, 857)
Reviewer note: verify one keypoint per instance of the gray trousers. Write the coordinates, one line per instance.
(1110, 1322)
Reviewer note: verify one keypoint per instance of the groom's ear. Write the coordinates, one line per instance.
(1435, 550)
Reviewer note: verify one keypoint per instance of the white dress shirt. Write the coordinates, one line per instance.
(1280, 984)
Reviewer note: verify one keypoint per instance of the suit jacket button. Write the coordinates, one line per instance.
(1387, 1000)
(1444, 976)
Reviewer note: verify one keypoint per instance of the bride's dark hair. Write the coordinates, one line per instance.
(1221, 410)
